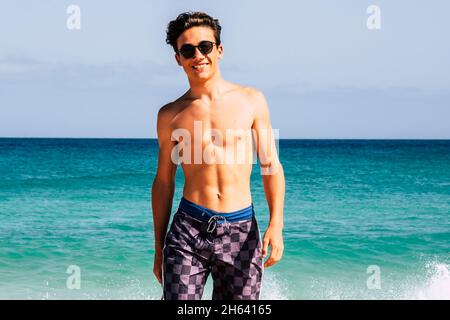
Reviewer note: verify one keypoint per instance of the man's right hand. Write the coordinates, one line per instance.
(157, 265)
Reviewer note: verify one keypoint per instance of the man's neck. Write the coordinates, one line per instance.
(209, 90)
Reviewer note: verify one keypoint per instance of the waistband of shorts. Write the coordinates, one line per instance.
(204, 214)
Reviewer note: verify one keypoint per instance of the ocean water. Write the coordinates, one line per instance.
(364, 219)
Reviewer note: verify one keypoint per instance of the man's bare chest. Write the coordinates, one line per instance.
(220, 117)
(223, 129)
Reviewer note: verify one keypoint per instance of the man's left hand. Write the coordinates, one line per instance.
(273, 238)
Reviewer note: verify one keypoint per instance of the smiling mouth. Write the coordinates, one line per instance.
(200, 66)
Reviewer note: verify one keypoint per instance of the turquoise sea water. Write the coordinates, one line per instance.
(351, 206)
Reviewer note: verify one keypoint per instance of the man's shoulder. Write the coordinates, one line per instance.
(252, 93)
(171, 108)
(255, 98)
(167, 108)
(244, 89)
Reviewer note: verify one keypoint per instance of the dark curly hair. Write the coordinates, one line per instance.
(188, 20)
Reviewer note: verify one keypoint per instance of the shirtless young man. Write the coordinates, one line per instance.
(214, 229)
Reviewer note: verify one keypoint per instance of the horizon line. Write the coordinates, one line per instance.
(147, 138)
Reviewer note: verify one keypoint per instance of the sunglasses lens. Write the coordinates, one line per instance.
(205, 47)
(188, 51)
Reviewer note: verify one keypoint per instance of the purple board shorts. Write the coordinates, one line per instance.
(201, 241)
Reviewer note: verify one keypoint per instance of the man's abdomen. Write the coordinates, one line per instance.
(221, 188)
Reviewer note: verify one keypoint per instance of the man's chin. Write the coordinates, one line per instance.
(202, 76)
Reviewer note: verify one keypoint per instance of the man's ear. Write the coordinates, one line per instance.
(177, 57)
(220, 50)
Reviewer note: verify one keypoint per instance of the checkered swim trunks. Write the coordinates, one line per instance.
(195, 247)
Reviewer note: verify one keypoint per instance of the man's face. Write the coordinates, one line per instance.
(191, 66)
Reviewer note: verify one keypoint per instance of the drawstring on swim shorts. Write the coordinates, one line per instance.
(212, 222)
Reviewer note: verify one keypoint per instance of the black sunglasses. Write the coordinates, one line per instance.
(188, 50)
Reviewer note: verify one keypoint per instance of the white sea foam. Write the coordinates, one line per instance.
(434, 284)
(273, 287)
(437, 285)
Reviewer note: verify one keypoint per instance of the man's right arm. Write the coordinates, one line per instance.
(163, 186)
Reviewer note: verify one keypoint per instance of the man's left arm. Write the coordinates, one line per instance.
(273, 179)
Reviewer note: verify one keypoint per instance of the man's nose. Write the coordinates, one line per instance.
(198, 54)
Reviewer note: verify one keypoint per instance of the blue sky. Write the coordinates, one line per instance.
(324, 73)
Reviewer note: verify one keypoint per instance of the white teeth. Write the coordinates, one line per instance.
(200, 66)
